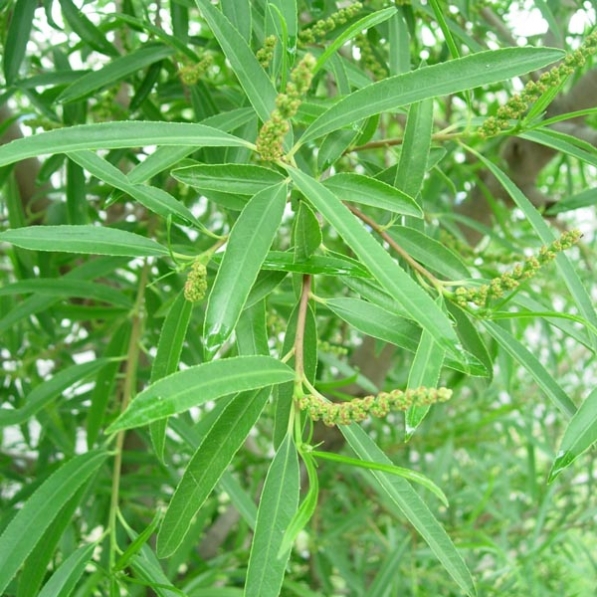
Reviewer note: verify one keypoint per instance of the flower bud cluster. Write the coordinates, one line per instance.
(265, 54)
(369, 59)
(321, 28)
(196, 283)
(358, 409)
(325, 346)
(481, 295)
(271, 136)
(518, 104)
(191, 73)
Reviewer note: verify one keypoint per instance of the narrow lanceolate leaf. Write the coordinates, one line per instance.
(450, 77)
(412, 506)
(199, 384)
(207, 465)
(248, 244)
(348, 186)
(537, 371)
(167, 358)
(240, 179)
(65, 579)
(48, 391)
(238, 13)
(155, 199)
(114, 135)
(415, 149)
(92, 240)
(27, 527)
(17, 37)
(567, 271)
(424, 371)
(376, 321)
(306, 233)
(255, 82)
(416, 302)
(579, 436)
(115, 71)
(277, 507)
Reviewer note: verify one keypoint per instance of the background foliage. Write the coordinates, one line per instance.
(220, 217)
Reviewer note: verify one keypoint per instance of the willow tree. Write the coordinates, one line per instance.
(294, 300)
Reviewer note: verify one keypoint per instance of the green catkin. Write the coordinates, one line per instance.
(196, 284)
(358, 409)
(496, 288)
(321, 28)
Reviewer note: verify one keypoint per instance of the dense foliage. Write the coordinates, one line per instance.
(250, 342)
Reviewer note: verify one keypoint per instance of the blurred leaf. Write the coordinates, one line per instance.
(411, 505)
(369, 191)
(50, 390)
(537, 371)
(469, 72)
(114, 72)
(94, 240)
(17, 37)
(199, 384)
(580, 435)
(353, 30)
(26, 528)
(255, 82)
(391, 469)
(248, 244)
(277, 507)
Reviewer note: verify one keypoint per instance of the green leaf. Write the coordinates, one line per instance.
(27, 527)
(50, 390)
(93, 240)
(68, 288)
(353, 30)
(391, 469)
(240, 179)
(199, 384)
(85, 29)
(568, 273)
(66, 577)
(307, 507)
(447, 78)
(430, 252)
(567, 144)
(167, 357)
(390, 275)
(424, 371)
(155, 199)
(306, 233)
(248, 244)
(207, 465)
(115, 71)
(537, 371)
(412, 506)
(376, 321)
(255, 82)
(369, 191)
(412, 164)
(114, 135)
(17, 36)
(331, 264)
(238, 13)
(579, 436)
(277, 507)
